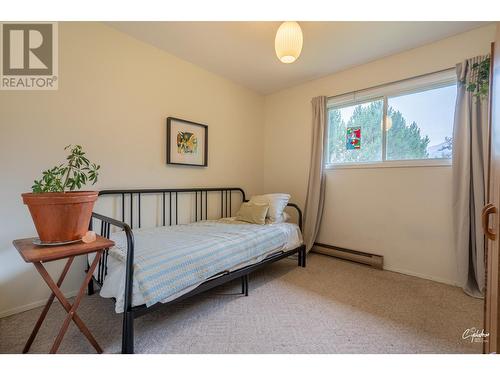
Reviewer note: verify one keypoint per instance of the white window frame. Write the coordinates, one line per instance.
(404, 87)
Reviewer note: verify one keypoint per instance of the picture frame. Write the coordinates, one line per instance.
(187, 143)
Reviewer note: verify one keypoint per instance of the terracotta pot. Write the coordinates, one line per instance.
(61, 217)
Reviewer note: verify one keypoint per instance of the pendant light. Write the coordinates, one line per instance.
(288, 42)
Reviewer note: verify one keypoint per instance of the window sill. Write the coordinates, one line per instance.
(393, 164)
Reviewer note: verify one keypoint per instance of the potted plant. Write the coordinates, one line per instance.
(479, 83)
(59, 213)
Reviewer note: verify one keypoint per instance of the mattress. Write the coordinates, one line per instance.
(220, 246)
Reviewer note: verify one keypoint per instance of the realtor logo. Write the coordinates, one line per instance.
(28, 58)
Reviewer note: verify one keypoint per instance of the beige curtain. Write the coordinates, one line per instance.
(470, 155)
(316, 184)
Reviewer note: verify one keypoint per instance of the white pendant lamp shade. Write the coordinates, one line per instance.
(288, 42)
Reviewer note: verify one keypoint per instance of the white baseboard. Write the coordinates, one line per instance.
(352, 255)
(33, 305)
(421, 275)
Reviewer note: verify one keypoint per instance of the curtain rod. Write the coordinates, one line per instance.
(390, 83)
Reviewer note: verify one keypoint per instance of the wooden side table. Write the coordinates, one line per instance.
(37, 255)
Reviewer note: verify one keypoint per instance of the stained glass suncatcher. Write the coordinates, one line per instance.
(353, 138)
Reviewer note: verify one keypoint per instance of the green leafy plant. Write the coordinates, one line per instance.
(479, 84)
(69, 176)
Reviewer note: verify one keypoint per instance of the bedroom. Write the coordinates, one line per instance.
(382, 234)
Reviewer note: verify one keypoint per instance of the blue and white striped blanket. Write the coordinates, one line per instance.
(168, 260)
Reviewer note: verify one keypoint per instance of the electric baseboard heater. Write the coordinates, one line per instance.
(373, 260)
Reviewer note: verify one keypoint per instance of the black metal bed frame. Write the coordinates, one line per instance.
(201, 213)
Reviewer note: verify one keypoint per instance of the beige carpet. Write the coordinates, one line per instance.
(332, 306)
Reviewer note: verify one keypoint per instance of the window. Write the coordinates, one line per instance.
(365, 118)
(417, 116)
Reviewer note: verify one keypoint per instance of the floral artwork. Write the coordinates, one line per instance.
(187, 143)
(353, 138)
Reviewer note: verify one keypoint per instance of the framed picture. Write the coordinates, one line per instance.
(187, 142)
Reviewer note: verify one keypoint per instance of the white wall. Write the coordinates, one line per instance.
(114, 96)
(403, 214)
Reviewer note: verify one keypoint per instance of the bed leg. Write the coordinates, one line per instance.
(246, 285)
(128, 333)
(242, 284)
(90, 287)
(304, 253)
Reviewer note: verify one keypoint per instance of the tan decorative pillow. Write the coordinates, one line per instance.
(254, 213)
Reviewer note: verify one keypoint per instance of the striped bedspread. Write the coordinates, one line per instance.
(168, 260)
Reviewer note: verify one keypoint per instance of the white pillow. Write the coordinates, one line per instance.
(277, 203)
(285, 218)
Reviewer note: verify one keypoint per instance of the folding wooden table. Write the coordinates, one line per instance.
(38, 255)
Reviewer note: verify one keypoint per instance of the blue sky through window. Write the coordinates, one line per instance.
(432, 110)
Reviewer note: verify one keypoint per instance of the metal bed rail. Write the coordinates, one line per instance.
(201, 204)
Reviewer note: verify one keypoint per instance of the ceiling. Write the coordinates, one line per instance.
(244, 51)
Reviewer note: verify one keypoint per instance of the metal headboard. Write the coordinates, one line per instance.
(170, 195)
(201, 204)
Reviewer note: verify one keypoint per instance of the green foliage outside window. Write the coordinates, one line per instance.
(405, 141)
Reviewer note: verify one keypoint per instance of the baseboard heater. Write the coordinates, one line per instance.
(373, 260)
